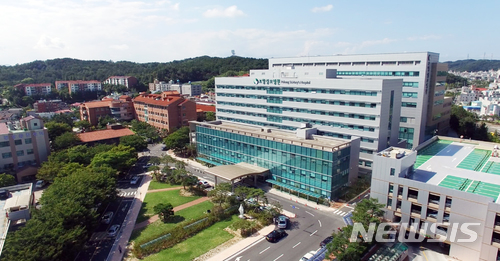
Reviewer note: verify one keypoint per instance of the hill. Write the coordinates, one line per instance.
(192, 69)
(474, 65)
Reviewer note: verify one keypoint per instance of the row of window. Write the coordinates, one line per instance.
(281, 99)
(378, 73)
(277, 90)
(410, 84)
(16, 142)
(296, 119)
(274, 109)
(410, 95)
(19, 153)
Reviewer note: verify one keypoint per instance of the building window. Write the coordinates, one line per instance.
(27, 141)
(29, 151)
(18, 142)
(4, 144)
(20, 153)
(393, 171)
(6, 155)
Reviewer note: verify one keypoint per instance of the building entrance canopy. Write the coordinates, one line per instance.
(233, 172)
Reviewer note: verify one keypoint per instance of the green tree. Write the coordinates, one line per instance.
(368, 211)
(103, 122)
(135, 141)
(83, 125)
(63, 118)
(220, 194)
(210, 116)
(156, 172)
(65, 141)
(7, 180)
(120, 158)
(177, 140)
(144, 130)
(164, 211)
(56, 129)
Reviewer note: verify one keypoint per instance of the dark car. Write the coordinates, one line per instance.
(326, 241)
(276, 235)
(4, 194)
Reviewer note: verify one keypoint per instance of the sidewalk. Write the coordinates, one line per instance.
(187, 161)
(242, 245)
(183, 206)
(121, 242)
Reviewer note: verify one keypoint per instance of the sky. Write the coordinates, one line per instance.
(167, 30)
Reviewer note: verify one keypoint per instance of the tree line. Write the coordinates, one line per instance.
(471, 65)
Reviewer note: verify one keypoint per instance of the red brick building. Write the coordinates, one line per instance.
(167, 110)
(111, 135)
(48, 106)
(120, 109)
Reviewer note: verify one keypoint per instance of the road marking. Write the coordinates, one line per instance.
(238, 258)
(296, 245)
(313, 233)
(264, 250)
(319, 222)
(353, 207)
(245, 249)
(310, 213)
(335, 212)
(278, 257)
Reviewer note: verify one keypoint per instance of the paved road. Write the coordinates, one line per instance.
(308, 229)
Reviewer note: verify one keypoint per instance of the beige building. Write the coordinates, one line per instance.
(24, 145)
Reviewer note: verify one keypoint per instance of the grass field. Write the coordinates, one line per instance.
(152, 199)
(158, 227)
(161, 185)
(197, 245)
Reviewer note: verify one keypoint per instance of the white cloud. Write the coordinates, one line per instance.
(231, 11)
(120, 47)
(423, 38)
(46, 42)
(325, 8)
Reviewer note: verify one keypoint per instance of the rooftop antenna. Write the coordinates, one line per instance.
(233, 53)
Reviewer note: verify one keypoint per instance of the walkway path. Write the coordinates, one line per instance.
(183, 206)
(163, 189)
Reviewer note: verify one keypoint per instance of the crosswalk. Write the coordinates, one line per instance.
(341, 213)
(127, 194)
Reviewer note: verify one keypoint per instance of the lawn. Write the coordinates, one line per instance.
(158, 227)
(152, 199)
(161, 185)
(197, 245)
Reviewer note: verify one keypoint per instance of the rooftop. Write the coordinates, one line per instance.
(202, 107)
(104, 134)
(465, 165)
(290, 137)
(156, 99)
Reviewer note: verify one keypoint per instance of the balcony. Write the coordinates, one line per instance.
(497, 225)
(495, 242)
(412, 198)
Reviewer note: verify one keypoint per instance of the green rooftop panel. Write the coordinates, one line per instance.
(471, 186)
(430, 150)
(492, 168)
(475, 160)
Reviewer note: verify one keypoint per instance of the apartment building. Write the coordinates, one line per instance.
(35, 88)
(165, 111)
(439, 106)
(48, 106)
(287, 97)
(299, 162)
(184, 89)
(79, 86)
(24, 145)
(447, 183)
(119, 108)
(127, 81)
(418, 71)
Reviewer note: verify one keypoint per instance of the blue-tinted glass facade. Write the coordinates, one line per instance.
(310, 169)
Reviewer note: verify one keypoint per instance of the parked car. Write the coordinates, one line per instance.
(204, 184)
(40, 184)
(282, 222)
(308, 256)
(326, 241)
(134, 180)
(4, 194)
(147, 166)
(113, 230)
(276, 235)
(106, 218)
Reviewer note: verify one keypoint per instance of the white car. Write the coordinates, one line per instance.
(113, 230)
(134, 180)
(308, 256)
(40, 184)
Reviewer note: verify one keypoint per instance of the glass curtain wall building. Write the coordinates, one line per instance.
(306, 163)
(286, 98)
(421, 106)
